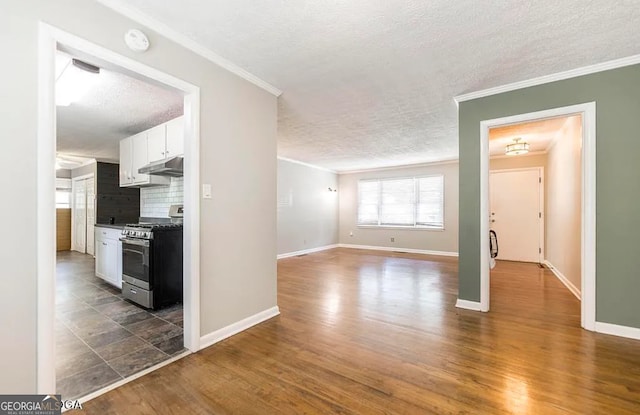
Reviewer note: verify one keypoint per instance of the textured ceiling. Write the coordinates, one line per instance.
(116, 107)
(539, 134)
(370, 83)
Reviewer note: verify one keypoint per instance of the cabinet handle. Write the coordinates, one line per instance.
(104, 243)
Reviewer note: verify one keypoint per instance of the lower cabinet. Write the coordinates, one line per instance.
(108, 250)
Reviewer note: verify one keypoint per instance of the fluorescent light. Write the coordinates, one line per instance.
(75, 80)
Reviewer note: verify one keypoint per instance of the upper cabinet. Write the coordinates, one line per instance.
(158, 143)
(126, 178)
(175, 137)
(166, 140)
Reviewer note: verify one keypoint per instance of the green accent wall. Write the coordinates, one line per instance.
(617, 96)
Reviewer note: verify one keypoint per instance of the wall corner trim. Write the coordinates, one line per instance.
(306, 251)
(468, 305)
(121, 7)
(235, 328)
(398, 249)
(559, 76)
(617, 330)
(574, 290)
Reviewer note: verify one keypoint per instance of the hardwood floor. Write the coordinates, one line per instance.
(366, 332)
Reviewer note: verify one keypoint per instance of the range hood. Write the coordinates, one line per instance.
(173, 166)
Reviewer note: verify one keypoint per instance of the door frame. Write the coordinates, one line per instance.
(74, 184)
(588, 211)
(542, 218)
(48, 38)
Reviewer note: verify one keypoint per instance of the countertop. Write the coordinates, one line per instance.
(111, 225)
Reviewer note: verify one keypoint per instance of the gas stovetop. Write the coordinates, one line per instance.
(146, 230)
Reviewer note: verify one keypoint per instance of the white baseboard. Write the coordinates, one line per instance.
(307, 251)
(616, 330)
(574, 290)
(468, 305)
(398, 249)
(235, 328)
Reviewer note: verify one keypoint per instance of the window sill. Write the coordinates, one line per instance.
(408, 228)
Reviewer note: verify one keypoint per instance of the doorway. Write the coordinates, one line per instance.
(516, 202)
(50, 40)
(587, 202)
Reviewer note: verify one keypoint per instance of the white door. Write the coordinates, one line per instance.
(515, 211)
(79, 209)
(91, 214)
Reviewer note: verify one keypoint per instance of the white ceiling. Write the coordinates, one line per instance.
(116, 107)
(370, 83)
(538, 134)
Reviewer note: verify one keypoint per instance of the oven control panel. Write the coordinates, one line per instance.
(137, 233)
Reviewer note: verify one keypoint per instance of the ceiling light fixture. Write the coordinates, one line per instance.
(75, 80)
(516, 148)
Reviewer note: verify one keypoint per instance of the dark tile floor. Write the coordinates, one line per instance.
(101, 338)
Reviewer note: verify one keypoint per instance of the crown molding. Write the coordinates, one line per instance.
(313, 166)
(136, 15)
(573, 73)
(403, 166)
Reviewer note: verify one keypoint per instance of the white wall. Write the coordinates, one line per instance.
(431, 240)
(238, 131)
(155, 201)
(307, 210)
(563, 210)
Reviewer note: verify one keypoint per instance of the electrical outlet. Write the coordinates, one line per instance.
(393, 239)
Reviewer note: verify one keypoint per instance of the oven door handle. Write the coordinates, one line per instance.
(138, 242)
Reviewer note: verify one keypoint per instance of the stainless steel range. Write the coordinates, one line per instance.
(152, 264)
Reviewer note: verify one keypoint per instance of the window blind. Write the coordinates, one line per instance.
(404, 202)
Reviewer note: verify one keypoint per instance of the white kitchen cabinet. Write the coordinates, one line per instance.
(175, 137)
(166, 140)
(139, 157)
(157, 143)
(126, 179)
(133, 156)
(109, 255)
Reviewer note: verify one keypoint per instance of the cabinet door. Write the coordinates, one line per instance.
(101, 258)
(111, 266)
(125, 162)
(175, 137)
(139, 157)
(156, 144)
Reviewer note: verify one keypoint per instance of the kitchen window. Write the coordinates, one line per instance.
(414, 202)
(63, 193)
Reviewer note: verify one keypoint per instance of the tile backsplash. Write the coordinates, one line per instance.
(155, 201)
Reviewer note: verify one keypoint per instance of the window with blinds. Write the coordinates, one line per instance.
(405, 202)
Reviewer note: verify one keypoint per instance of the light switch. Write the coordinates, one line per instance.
(206, 191)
